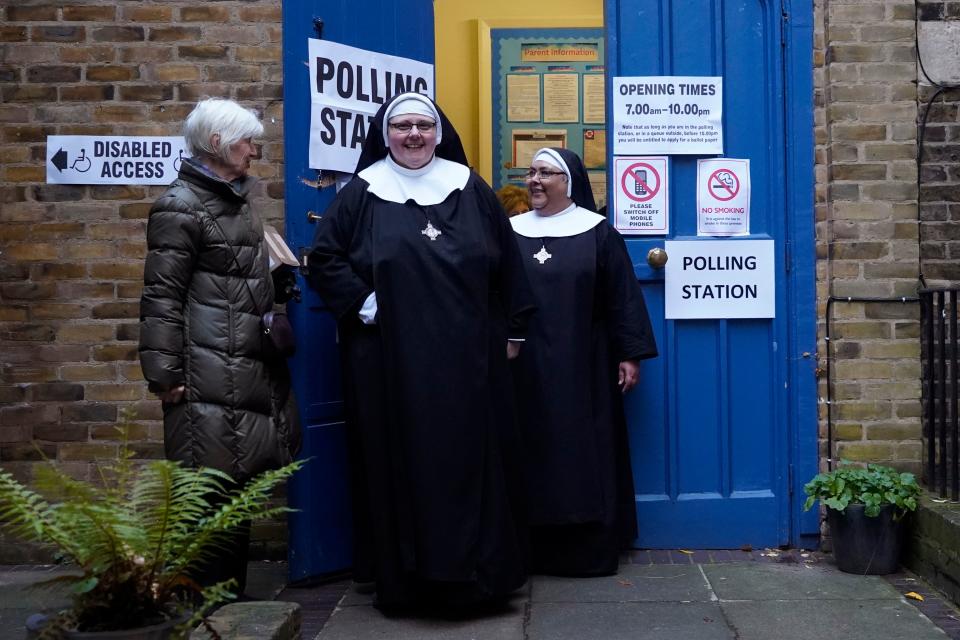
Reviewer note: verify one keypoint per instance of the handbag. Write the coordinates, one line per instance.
(276, 331)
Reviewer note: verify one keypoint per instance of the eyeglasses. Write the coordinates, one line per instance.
(406, 127)
(543, 175)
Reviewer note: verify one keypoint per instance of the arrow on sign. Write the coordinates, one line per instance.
(60, 159)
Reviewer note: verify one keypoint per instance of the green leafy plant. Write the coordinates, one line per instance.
(135, 533)
(874, 487)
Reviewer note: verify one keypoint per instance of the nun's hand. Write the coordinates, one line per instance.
(629, 375)
(513, 349)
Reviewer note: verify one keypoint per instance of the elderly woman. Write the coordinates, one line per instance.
(417, 261)
(207, 283)
(582, 354)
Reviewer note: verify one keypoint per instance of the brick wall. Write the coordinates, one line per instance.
(866, 109)
(71, 257)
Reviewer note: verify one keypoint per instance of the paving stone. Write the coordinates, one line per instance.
(634, 583)
(760, 581)
(627, 620)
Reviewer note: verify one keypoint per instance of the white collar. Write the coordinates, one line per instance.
(430, 184)
(571, 221)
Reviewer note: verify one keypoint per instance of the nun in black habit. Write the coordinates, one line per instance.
(417, 260)
(581, 356)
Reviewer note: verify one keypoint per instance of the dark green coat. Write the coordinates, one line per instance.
(200, 327)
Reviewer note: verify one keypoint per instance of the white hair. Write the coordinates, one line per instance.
(219, 116)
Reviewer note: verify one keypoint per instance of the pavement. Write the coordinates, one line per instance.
(787, 596)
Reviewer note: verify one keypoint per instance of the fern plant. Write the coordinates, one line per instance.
(135, 534)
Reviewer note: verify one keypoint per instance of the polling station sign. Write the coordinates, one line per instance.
(719, 279)
(114, 159)
(347, 87)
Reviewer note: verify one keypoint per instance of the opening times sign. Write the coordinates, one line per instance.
(667, 115)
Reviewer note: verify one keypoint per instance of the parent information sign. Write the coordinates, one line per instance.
(654, 115)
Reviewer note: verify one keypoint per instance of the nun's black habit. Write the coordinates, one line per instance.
(436, 471)
(590, 317)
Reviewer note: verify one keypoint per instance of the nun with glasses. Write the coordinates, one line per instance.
(417, 261)
(581, 356)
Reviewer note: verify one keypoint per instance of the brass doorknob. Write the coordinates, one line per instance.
(656, 258)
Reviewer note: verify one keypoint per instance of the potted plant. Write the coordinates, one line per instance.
(133, 536)
(865, 510)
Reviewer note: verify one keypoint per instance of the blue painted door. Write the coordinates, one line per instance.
(724, 416)
(320, 532)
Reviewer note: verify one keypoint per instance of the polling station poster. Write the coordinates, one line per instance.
(114, 159)
(347, 88)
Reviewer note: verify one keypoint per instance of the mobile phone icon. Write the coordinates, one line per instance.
(640, 178)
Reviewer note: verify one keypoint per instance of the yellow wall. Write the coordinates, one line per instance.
(459, 68)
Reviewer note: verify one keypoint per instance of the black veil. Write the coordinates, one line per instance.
(374, 148)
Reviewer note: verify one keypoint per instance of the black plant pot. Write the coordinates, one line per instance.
(160, 631)
(865, 545)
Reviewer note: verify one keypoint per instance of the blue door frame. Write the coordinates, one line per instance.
(321, 529)
(673, 34)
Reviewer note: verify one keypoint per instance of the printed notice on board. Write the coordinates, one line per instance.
(667, 115)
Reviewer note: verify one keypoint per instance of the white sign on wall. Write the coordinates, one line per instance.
(723, 197)
(667, 115)
(641, 198)
(347, 87)
(720, 279)
(114, 159)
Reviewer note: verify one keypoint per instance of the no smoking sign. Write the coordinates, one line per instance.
(723, 197)
(640, 201)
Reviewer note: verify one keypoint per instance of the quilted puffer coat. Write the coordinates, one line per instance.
(200, 327)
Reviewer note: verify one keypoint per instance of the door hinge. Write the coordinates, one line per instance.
(790, 480)
(786, 256)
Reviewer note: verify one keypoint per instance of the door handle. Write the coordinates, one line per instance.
(657, 257)
(312, 217)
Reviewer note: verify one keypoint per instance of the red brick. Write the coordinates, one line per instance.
(28, 452)
(58, 34)
(118, 34)
(27, 373)
(234, 73)
(112, 73)
(119, 114)
(31, 252)
(25, 174)
(97, 53)
(116, 192)
(58, 311)
(57, 193)
(202, 52)
(110, 432)
(174, 34)
(28, 290)
(89, 372)
(204, 14)
(27, 333)
(11, 33)
(116, 310)
(261, 14)
(30, 414)
(146, 93)
(12, 395)
(112, 352)
(147, 14)
(27, 93)
(86, 451)
(149, 55)
(129, 290)
(41, 13)
(117, 271)
(60, 391)
(135, 211)
(85, 334)
(53, 74)
(87, 13)
(87, 93)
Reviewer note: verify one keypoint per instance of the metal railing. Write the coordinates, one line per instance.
(939, 353)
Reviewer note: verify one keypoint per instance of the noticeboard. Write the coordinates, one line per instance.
(548, 91)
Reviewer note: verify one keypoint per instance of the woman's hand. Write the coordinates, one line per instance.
(629, 375)
(513, 349)
(173, 395)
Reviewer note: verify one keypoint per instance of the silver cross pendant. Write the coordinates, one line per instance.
(542, 255)
(431, 231)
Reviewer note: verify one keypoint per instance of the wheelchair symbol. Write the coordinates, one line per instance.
(176, 163)
(83, 161)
